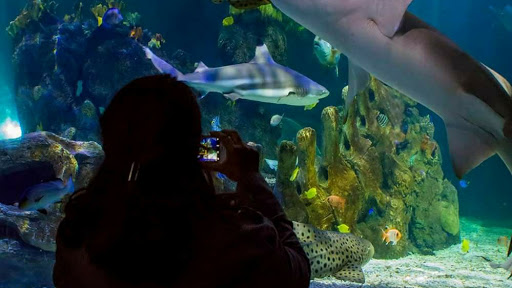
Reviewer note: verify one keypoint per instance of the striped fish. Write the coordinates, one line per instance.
(382, 119)
(261, 80)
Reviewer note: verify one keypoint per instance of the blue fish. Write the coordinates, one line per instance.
(272, 164)
(216, 124)
(112, 17)
(41, 196)
(371, 211)
(463, 183)
(221, 176)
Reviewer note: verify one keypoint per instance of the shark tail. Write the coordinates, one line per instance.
(505, 152)
(161, 65)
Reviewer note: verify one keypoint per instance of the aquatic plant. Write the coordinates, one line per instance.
(32, 11)
(270, 12)
(156, 41)
(116, 4)
(132, 19)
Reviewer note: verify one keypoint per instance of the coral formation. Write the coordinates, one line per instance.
(385, 183)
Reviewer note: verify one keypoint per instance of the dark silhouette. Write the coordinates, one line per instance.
(151, 218)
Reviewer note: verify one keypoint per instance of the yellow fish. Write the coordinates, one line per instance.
(465, 246)
(295, 173)
(228, 21)
(310, 107)
(311, 193)
(343, 228)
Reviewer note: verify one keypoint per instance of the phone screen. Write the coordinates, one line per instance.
(209, 150)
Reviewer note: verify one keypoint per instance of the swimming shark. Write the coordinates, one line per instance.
(334, 254)
(261, 80)
(381, 38)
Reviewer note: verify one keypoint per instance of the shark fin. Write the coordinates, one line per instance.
(200, 93)
(161, 65)
(352, 273)
(389, 14)
(233, 96)
(503, 82)
(201, 67)
(305, 233)
(505, 152)
(262, 55)
(358, 80)
(469, 146)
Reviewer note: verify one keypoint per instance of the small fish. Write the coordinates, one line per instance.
(295, 173)
(272, 164)
(463, 183)
(464, 247)
(326, 54)
(156, 41)
(391, 235)
(112, 17)
(311, 193)
(310, 107)
(136, 33)
(275, 120)
(382, 119)
(42, 195)
(102, 110)
(221, 176)
(216, 124)
(503, 241)
(371, 211)
(228, 21)
(336, 201)
(343, 228)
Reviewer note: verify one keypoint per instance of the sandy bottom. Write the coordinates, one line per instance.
(448, 268)
(22, 266)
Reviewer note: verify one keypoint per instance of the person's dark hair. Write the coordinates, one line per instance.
(151, 130)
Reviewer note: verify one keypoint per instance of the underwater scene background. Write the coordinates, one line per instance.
(387, 169)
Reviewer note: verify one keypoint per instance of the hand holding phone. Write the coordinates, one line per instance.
(209, 149)
(235, 158)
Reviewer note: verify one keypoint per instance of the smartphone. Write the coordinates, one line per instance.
(209, 149)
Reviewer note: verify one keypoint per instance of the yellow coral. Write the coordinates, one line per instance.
(116, 4)
(98, 11)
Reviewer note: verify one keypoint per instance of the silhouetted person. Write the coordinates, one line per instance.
(151, 218)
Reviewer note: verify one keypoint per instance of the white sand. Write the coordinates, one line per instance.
(448, 268)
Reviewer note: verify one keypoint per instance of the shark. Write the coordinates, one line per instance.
(383, 39)
(262, 79)
(330, 253)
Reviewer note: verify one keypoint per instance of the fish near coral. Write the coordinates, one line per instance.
(215, 123)
(343, 228)
(275, 120)
(391, 235)
(156, 41)
(112, 17)
(295, 173)
(98, 11)
(428, 146)
(228, 21)
(382, 119)
(41, 196)
(334, 254)
(336, 201)
(311, 193)
(326, 54)
(464, 246)
(136, 33)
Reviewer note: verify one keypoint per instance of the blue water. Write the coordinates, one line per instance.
(194, 26)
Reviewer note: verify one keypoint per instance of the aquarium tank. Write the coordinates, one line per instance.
(377, 126)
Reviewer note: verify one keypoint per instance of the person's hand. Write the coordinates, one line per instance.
(237, 158)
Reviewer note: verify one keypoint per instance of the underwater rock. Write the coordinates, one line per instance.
(111, 61)
(286, 190)
(384, 175)
(63, 156)
(32, 227)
